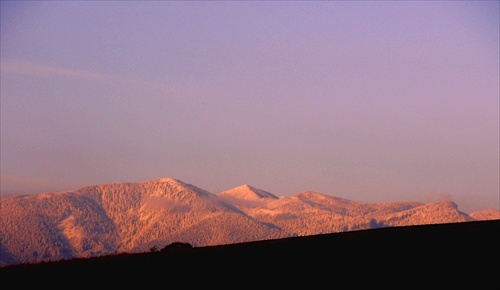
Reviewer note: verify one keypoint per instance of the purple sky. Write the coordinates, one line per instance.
(369, 101)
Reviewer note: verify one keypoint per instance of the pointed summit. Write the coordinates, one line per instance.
(173, 188)
(247, 192)
(168, 180)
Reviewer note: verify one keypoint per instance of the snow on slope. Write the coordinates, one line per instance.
(247, 192)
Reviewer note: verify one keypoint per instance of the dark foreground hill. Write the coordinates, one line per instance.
(440, 256)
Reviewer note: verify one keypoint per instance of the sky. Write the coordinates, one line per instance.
(370, 101)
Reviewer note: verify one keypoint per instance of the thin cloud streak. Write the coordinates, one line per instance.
(28, 68)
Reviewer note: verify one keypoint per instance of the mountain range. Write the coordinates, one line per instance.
(144, 216)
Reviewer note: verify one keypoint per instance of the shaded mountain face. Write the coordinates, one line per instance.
(139, 217)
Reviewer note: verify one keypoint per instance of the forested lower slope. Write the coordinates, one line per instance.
(441, 256)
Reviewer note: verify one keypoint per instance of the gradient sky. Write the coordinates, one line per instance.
(370, 101)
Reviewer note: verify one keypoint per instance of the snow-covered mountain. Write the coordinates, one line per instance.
(139, 217)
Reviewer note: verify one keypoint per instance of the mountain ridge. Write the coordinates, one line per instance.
(136, 217)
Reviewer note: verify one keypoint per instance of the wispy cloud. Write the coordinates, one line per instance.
(28, 68)
(437, 197)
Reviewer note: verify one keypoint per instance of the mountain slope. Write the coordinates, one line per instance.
(438, 212)
(486, 214)
(55, 226)
(309, 213)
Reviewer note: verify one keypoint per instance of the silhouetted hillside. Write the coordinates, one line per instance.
(440, 256)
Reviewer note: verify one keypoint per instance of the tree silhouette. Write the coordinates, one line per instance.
(176, 246)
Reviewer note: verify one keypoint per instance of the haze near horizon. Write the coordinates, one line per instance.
(369, 101)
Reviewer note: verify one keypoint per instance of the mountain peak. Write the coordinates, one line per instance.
(174, 188)
(247, 192)
(169, 180)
